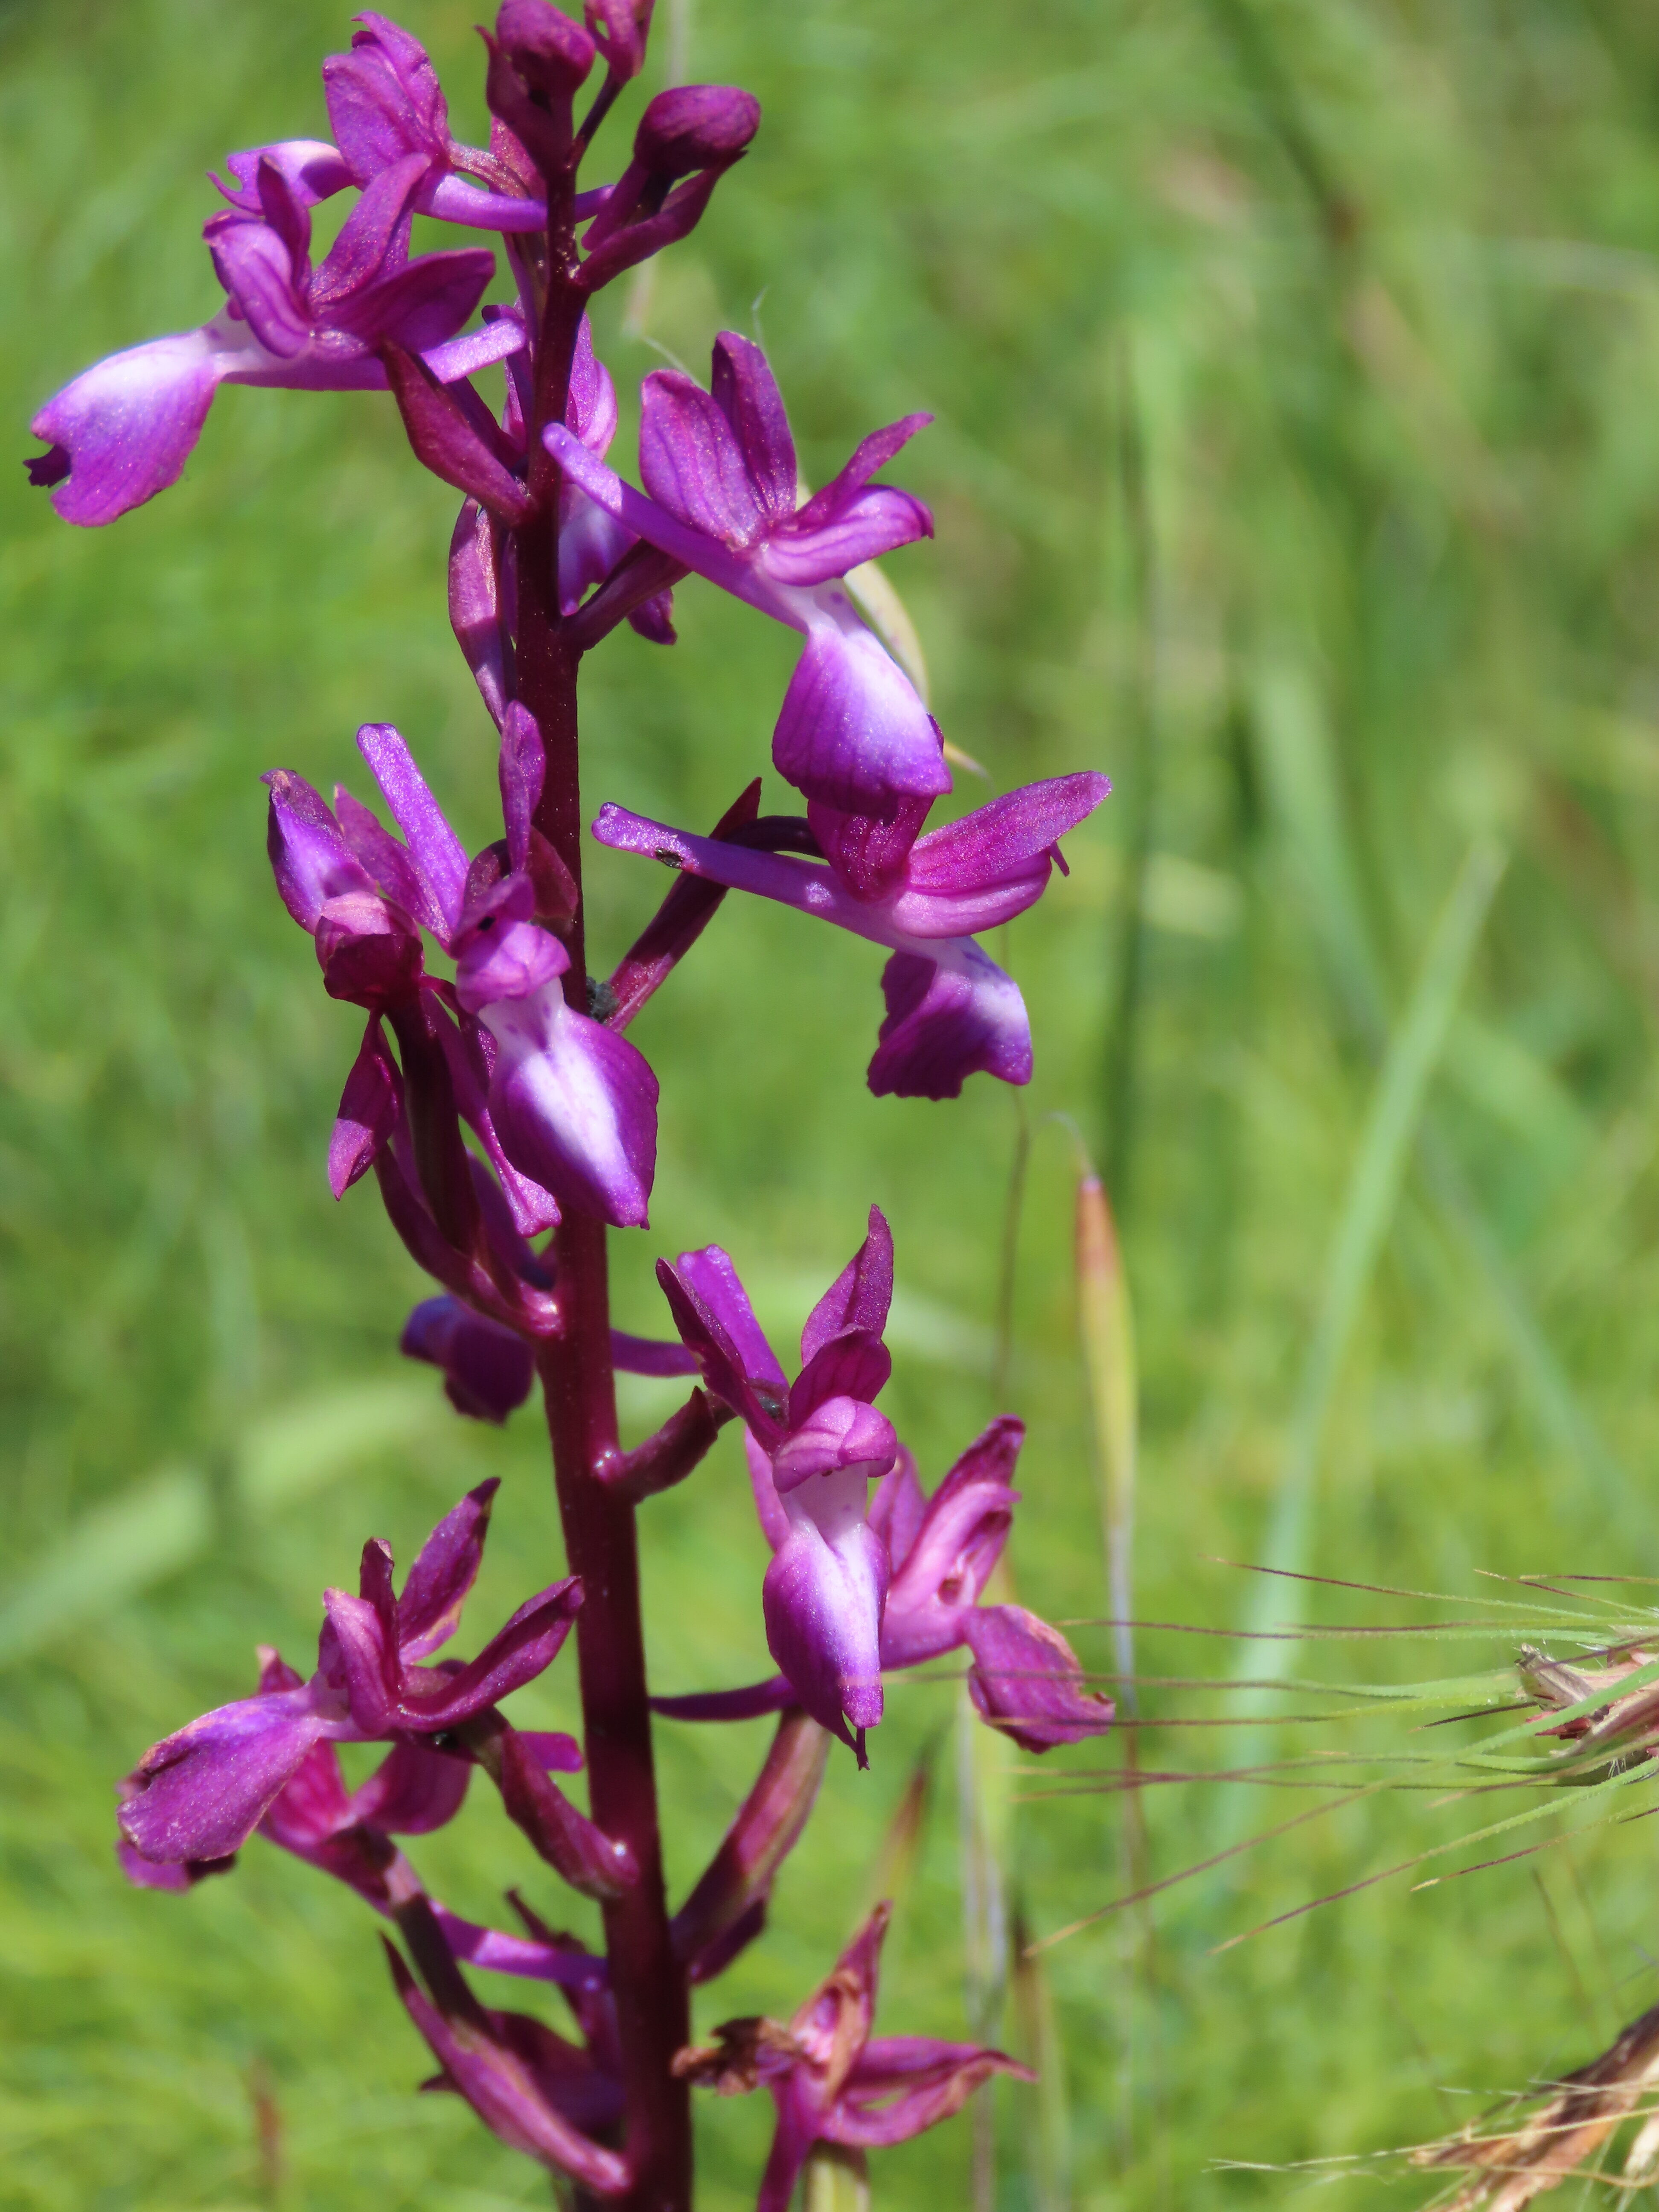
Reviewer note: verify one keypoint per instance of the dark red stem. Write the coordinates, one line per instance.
(648, 1982)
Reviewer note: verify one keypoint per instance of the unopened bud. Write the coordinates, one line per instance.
(696, 126)
(550, 53)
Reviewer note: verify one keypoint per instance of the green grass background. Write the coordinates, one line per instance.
(1296, 370)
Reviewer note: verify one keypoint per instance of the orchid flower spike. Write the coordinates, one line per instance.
(720, 470)
(951, 1011)
(821, 1440)
(831, 2079)
(199, 1795)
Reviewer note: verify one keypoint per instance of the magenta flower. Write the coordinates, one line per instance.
(566, 1108)
(951, 1011)
(124, 429)
(199, 1795)
(940, 1553)
(720, 468)
(821, 1440)
(831, 2080)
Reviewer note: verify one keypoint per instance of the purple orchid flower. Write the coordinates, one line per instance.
(199, 1795)
(821, 1440)
(124, 429)
(349, 1835)
(831, 2081)
(720, 468)
(566, 1108)
(951, 1011)
(941, 1553)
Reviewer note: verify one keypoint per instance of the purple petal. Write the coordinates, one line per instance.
(873, 453)
(452, 199)
(369, 1112)
(128, 423)
(516, 1655)
(953, 1550)
(860, 1296)
(383, 100)
(869, 852)
(750, 1703)
(373, 241)
(413, 1791)
(646, 1355)
(506, 2095)
(475, 607)
(553, 1751)
(1026, 1680)
(748, 396)
(901, 2085)
(260, 272)
(315, 1804)
(310, 858)
(390, 864)
(488, 1370)
(644, 518)
(717, 1325)
(575, 1106)
(692, 465)
(992, 865)
(498, 340)
(769, 1506)
(591, 544)
(429, 1610)
(949, 1017)
(591, 408)
(437, 851)
(565, 1963)
(851, 731)
(839, 1432)
(423, 304)
(144, 1874)
(898, 1510)
(872, 523)
(311, 169)
(522, 771)
(357, 1659)
(503, 958)
(822, 1602)
(200, 1794)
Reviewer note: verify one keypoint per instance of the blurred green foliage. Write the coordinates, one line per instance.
(1296, 370)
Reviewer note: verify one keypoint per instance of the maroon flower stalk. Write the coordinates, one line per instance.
(502, 1103)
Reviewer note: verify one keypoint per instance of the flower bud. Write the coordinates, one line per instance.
(369, 954)
(550, 54)
(695, 127)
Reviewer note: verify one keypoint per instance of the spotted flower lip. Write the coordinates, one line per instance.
(821, 1440)
(719, 468)
(951, 1011)
(199, 1793)
(831, 2079)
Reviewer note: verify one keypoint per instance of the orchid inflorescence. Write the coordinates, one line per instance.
(502, 1103)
